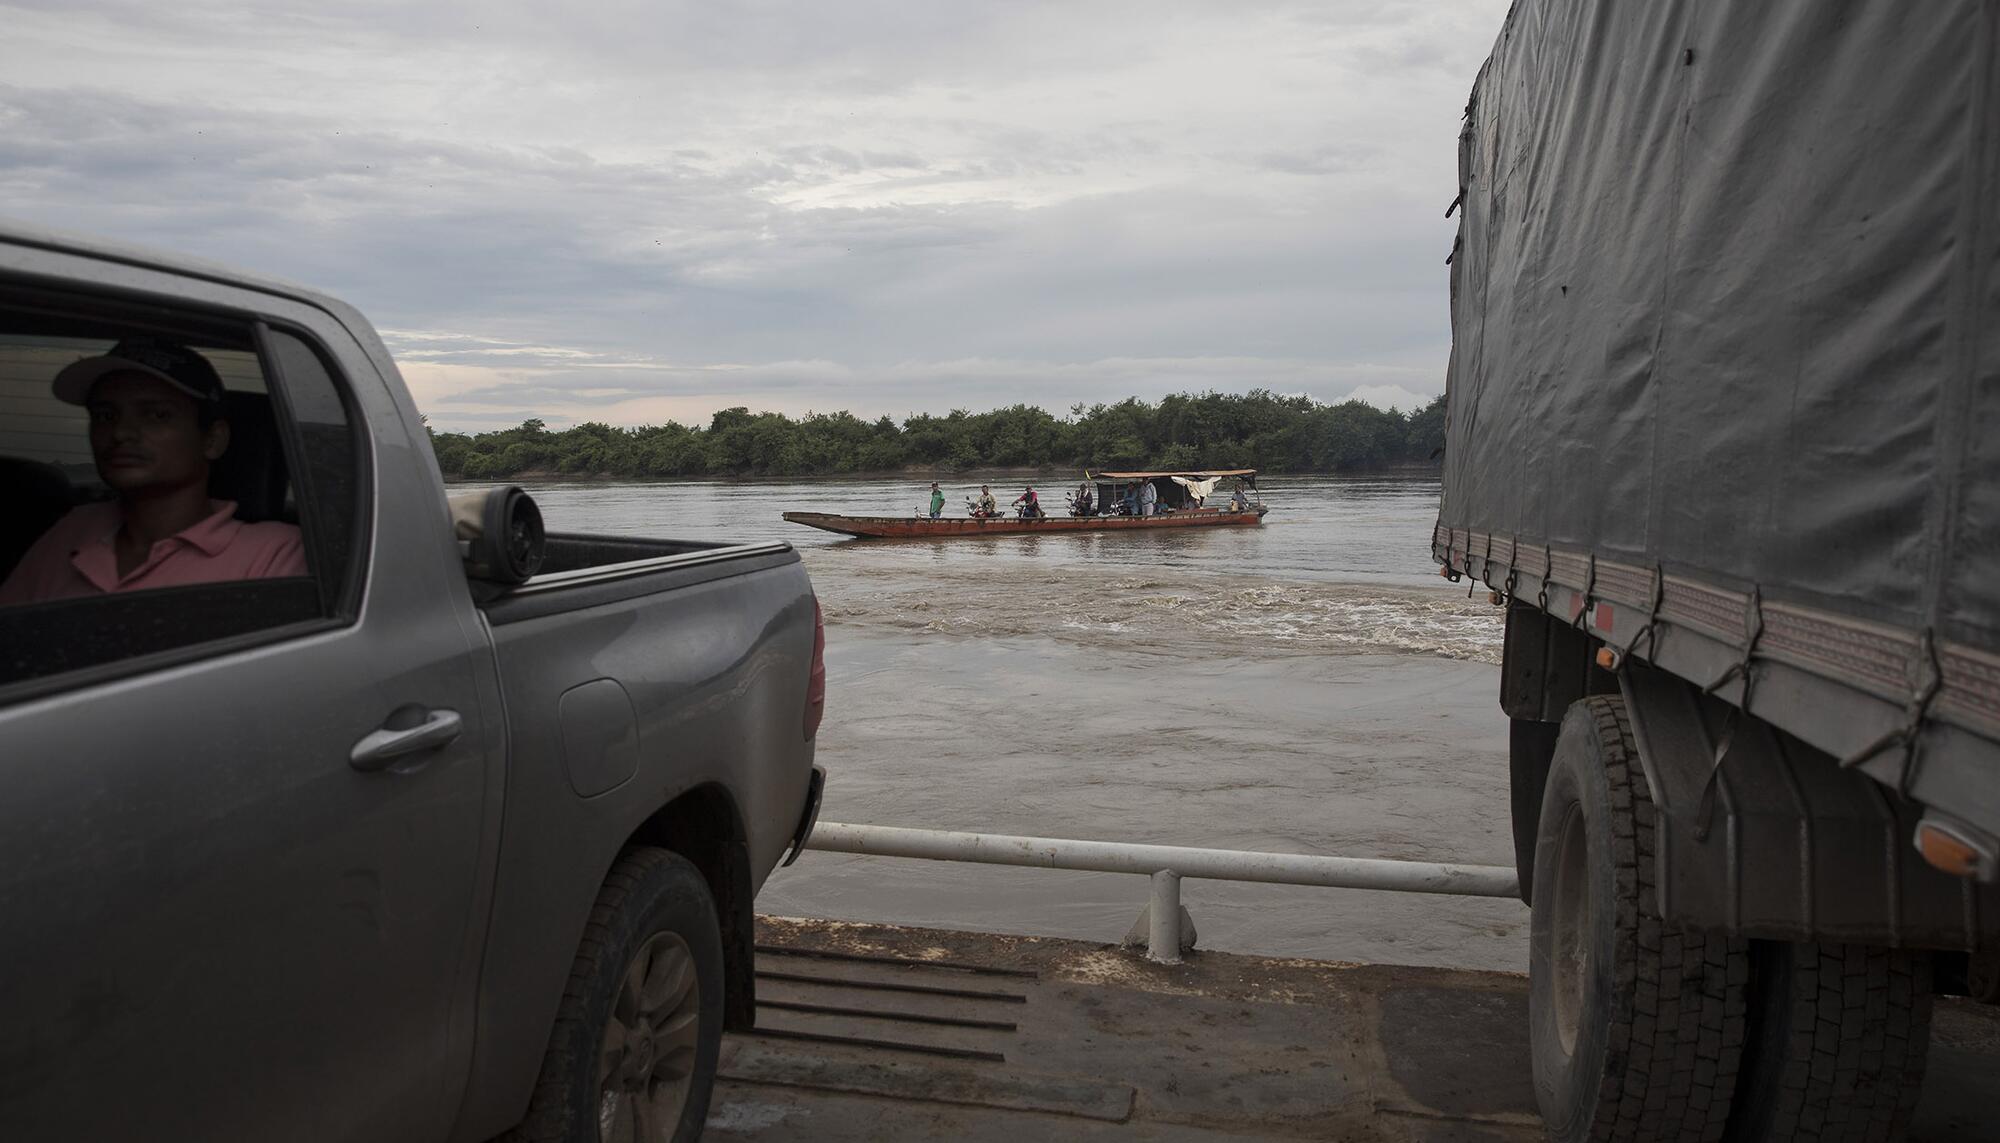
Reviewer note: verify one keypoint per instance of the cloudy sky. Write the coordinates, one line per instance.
(636, 210)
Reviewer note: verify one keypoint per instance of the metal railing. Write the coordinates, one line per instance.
(1167, 865)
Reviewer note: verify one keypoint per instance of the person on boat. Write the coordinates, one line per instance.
(1238, 501)
(1129, 503)
(1085, 504)
(1028, 504)
(1149, 499)
(937, 500)
(986, 506)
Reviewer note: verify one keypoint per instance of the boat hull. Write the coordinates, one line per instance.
(922, 527)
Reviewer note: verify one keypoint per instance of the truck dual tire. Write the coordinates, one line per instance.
(1838, 1039)
(1643, 1030)
(1637, 1026)
(633, 1055)
(1982, 977)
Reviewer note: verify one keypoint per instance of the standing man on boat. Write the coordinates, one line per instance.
(1149, 498)
(988, 506)
(937, 500)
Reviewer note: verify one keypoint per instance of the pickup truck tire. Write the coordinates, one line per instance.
(633, 1055)
(1838, 1038)
(1636, 1026)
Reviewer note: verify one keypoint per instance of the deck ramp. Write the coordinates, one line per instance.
(879, 1032)
(876, 1032)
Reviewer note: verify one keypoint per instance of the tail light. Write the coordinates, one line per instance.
(816, 680)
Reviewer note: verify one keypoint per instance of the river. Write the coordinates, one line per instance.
(1307, 686)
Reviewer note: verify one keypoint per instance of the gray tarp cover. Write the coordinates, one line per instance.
(1725, 298)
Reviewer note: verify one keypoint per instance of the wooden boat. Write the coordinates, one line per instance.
(1176, 498)
(899, 527)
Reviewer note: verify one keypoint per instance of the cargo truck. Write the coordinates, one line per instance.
(1724, 440)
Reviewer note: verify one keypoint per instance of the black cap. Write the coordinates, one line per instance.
(169, 361)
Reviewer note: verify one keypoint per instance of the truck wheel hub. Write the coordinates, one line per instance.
(647, 1069)
(639, 1054)
(1569, 950)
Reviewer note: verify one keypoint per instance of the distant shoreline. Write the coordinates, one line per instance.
(1049, 476)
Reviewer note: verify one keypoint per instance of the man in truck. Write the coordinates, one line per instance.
(156, 425)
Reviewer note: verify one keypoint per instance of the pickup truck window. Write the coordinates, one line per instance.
(167, 484)
(327, 489)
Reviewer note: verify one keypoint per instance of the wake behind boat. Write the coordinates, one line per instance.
(1105, 502)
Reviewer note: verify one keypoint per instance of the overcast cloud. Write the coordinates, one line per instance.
(635, 211)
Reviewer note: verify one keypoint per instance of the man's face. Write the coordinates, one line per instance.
(146, 435)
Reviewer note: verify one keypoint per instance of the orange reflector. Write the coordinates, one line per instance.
(1607, 658)
(1495, 598)
(1445, 571)
(1946, 850)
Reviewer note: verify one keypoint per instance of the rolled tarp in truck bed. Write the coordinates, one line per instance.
(1726, 351)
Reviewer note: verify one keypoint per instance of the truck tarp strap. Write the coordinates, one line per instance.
(1651, 631)
(1589, 590)
(1922, 690)
(1741, 668)
(1705, 815)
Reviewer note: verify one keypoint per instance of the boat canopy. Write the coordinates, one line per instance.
(1191, 474)
(1187, 488)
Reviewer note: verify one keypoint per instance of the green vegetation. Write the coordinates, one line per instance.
(1259, 429)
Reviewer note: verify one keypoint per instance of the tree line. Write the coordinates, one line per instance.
(1259, 429)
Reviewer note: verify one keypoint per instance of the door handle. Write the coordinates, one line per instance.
(379, 748)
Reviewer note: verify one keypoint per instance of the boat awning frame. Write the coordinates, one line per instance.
(1197, 474)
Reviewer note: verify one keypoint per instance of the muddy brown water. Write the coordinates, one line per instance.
(1308, 686)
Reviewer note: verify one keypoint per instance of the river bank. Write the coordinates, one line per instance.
(915, 474)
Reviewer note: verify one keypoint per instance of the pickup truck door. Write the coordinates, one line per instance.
(217, 919)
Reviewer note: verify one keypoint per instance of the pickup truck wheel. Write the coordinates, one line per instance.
(1838, 1039)
(633, 1055)
(1636, 1025)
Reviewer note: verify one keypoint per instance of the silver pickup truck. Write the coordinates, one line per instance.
(374, 851)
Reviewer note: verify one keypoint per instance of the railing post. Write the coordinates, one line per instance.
(1163, 937)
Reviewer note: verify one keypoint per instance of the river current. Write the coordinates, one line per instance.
(1306, 686)
(1340, 565)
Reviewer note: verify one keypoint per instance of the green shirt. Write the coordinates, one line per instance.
(937, 501)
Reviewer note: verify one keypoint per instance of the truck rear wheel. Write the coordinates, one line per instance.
(1838, 1037)
(1982, 977)
(633, 1055)
(1636, 1026)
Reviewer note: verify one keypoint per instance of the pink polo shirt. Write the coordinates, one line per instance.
(76, 556)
